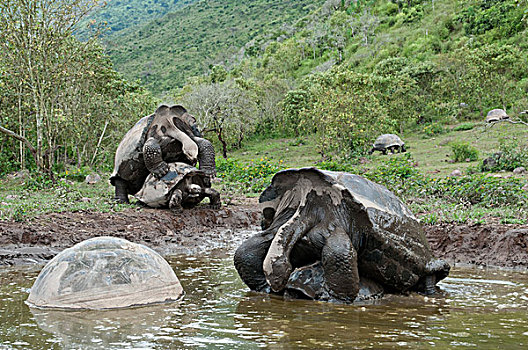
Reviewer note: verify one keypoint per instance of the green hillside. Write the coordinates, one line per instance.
(361, 68)
(165, 52)
(118, 15)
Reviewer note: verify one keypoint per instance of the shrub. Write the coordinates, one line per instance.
(433, 129)
(463, 152)
(398, 174)
(511, 155)
(464, 126)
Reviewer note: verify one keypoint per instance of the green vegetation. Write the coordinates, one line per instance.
(276, 84)
(118, 16)
(510, 155)
(30, 195)
(165, 52)
(463, 152)
(61, 102)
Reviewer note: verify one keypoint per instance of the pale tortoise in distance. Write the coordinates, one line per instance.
(389, 142)
(496, 115)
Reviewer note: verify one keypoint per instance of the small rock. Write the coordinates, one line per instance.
(86, 200)
(455, 172)
(519, 170)
(11, 196)
(92, 179)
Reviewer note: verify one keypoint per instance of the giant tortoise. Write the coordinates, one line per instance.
(169, 135)
(324, 233)
(105, 273)
(496, 115)
(183, 186)
(389, 142)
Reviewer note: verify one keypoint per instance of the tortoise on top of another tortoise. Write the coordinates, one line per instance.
(183, 186)
(335, 236)
(105, 273)
(496, 115)
(169, 135)
(389, 142)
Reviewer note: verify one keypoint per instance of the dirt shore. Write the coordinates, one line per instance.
(195, 231)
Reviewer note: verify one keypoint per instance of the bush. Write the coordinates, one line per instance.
(433, 129)
(398, 174)
(510, 156)
(464, 126)
(463, 152)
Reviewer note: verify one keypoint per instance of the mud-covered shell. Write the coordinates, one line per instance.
(384, 232)
(496, 115)
(156, 193)
(105, 273)
(387, 140)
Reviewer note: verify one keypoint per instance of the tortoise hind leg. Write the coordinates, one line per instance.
(121, 191)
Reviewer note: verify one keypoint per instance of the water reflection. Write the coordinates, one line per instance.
(478, 308)
(105, 329)
(292, 323)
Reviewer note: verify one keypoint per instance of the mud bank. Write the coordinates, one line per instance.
(484, 245)
(199, 230)
(190, 232)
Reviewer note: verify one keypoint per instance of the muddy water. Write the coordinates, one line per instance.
(477, 308)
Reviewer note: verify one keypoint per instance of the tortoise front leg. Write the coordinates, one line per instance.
(214, 198)
(153, 158)
(339, 260)
(249, 258)
(175, 202)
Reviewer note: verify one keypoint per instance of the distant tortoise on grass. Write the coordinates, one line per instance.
(389, 142)
(105, 273)
(496, 115)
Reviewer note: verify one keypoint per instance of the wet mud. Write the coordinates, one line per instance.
(199, 230)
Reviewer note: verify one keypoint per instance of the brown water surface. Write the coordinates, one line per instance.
(477, 308)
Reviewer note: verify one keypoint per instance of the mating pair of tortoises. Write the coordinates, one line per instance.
(328, 236)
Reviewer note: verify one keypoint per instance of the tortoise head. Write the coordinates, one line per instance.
(167, 124)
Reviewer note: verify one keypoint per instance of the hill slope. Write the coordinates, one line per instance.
(166, 51)
(121, 15)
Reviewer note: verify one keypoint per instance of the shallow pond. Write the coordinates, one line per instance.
(477, 309)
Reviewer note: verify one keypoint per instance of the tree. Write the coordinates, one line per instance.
(63, 99)
(38, 50)
(364, 23)
(223, 109)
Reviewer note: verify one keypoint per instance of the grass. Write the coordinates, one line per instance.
(294, 153)
(433, 154)
(19, 200)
